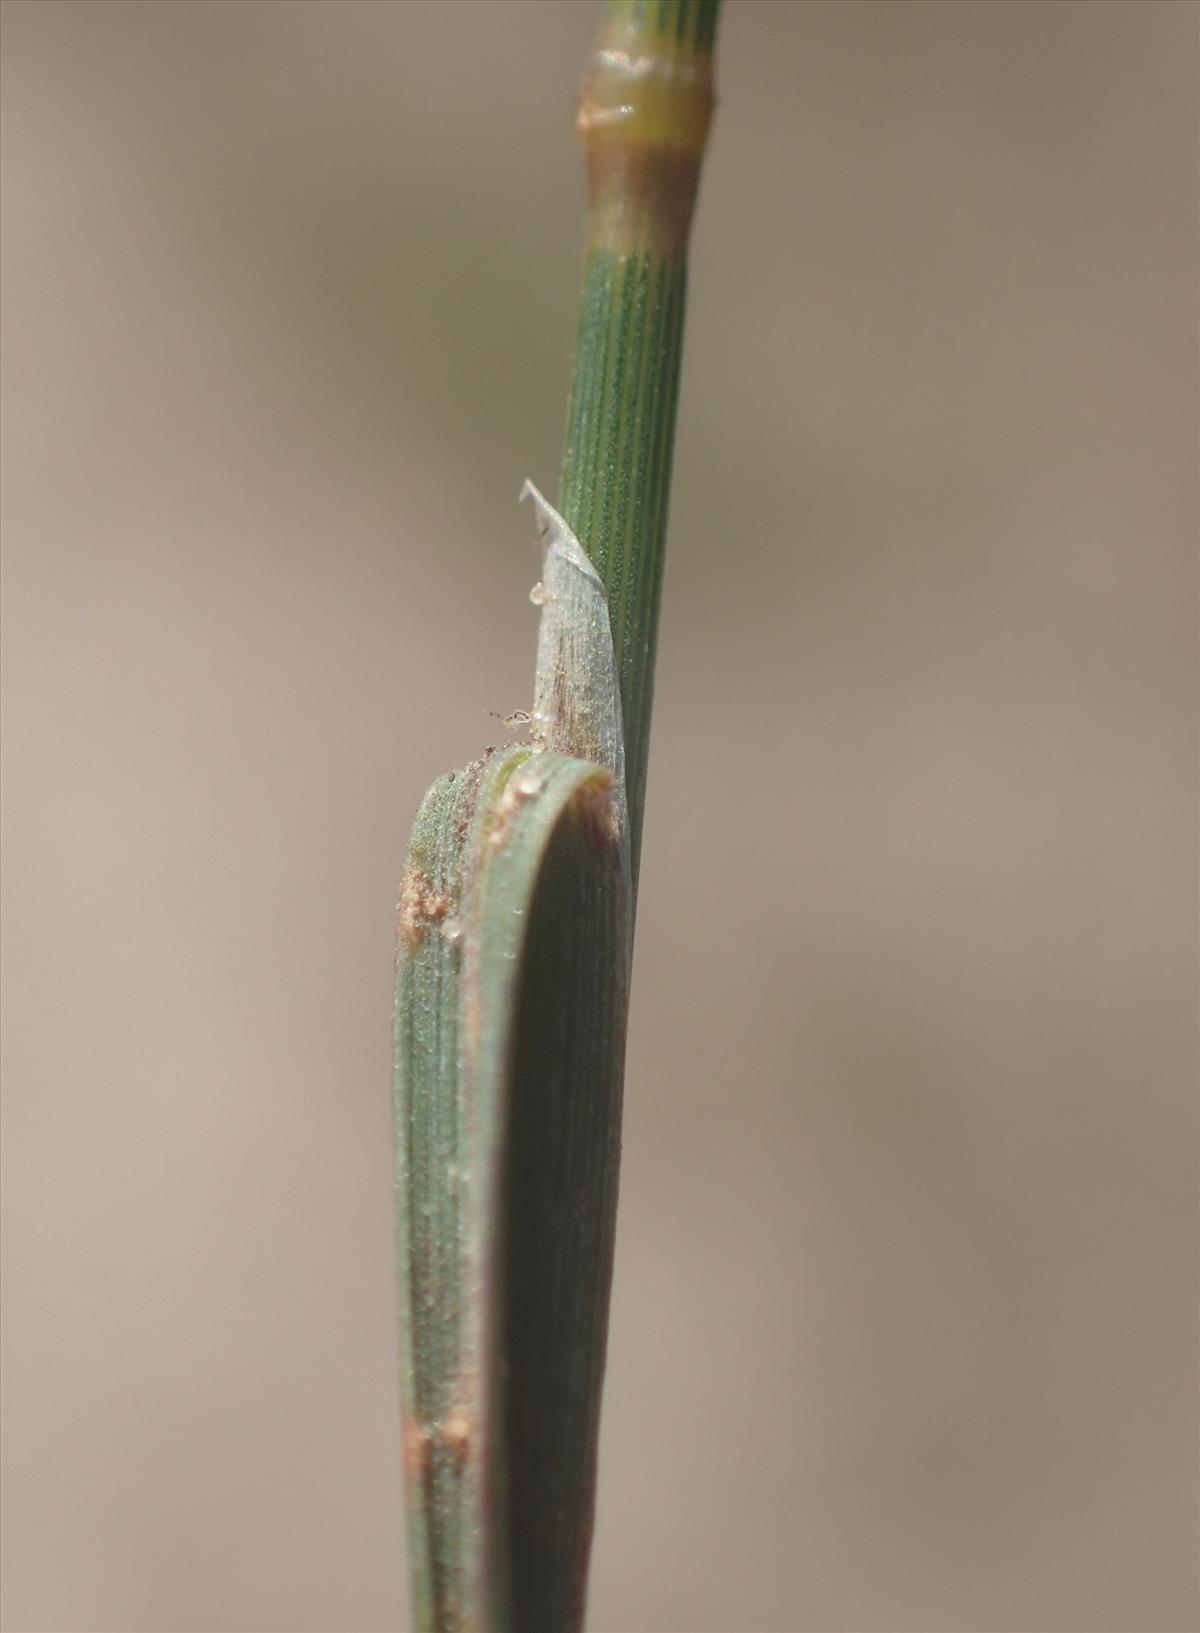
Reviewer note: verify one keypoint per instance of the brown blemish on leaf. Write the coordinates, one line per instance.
(597, 809)
(452, 1437)
(417, 1443)
(456, 1432)
(421, 904)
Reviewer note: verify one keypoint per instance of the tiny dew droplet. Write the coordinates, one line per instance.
(452, 932)
(524, 783)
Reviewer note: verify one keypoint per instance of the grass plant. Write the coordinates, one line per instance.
(515, 920)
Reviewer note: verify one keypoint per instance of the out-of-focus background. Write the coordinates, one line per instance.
(905, 1322)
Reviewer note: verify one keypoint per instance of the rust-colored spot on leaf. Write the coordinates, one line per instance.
(416, 1447)
(456, 1433)
(421, 904)
(597, 809)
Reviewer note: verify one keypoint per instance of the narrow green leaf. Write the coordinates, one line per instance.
(511, 994)
(431, 1178)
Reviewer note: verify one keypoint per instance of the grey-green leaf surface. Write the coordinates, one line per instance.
(510, 1023)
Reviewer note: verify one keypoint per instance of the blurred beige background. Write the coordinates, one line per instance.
(905, 1320)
